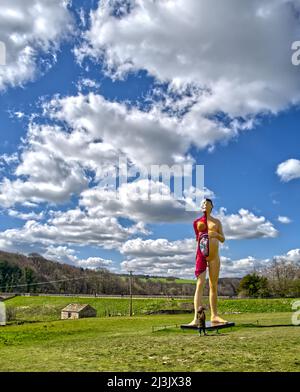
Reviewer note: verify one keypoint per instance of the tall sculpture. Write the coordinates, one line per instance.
(209, 233)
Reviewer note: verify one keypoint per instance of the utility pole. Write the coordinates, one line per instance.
(130, 292)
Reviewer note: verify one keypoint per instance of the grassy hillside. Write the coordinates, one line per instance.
(49, 308)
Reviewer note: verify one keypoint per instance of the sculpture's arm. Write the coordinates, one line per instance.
(221, 236)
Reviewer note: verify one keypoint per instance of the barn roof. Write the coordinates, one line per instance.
(75, 307)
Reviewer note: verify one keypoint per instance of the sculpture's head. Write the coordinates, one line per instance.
(207, 205)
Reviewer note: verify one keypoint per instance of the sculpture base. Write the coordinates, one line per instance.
(209, 326)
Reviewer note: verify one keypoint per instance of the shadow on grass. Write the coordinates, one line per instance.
(214, 335)
(251, 325)
(170, 330)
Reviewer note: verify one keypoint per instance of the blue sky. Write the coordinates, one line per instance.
(116, 79)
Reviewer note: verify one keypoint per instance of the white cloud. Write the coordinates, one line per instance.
(133, 201)
(159, 247)
(241, 267)
(147, 138)
(293, 257)
(66, 255)
(53, 162)
(251, 264)
(284, 220)
(177, 258)
(9, 159)
(176, 265)
(26, 215)
(87, 83)
(183, 266)
(73, 227)
(94, 263)
(245, 225)
(289, 170)
(97, 224)
(51, 166)
(62, 254)
(30, 28)
(64, 180)
(240, 66)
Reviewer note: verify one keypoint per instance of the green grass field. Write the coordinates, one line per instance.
(49, 308)
(262, 340)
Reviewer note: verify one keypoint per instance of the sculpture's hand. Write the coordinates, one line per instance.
(213, 234)
(218, 236)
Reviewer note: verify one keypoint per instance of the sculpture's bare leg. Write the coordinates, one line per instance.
(214, 269)
(198, 295)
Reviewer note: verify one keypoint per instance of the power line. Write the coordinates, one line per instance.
(41, 283)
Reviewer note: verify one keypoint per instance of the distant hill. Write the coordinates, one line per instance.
(35, 274)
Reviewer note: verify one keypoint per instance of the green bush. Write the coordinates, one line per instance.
(253, 285)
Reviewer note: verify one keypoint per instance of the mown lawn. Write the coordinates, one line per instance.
(259, 342)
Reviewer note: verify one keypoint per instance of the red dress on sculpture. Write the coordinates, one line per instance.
(202, 245)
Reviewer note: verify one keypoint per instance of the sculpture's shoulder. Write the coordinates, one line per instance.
(216, 221)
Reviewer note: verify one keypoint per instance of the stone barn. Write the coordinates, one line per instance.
(76, 311)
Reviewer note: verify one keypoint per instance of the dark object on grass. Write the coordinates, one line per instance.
(201, 320)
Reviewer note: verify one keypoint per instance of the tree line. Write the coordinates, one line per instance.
(280, 279)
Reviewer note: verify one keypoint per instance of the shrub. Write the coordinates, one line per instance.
(253, 285)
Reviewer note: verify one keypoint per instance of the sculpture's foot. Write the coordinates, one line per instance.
(217, 320)
(193, 323)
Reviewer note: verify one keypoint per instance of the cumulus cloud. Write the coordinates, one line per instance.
(71, 227)
(67, 255)
(246, 225)
(30, 28)
(241, 267)
(289, 170)
(144, 200)
(151, 137)
(159, 247)
(52, 165)
(240, 67)
(293, 257)
(251, 264)
(26, 215)
(64, 180)
(55, 164)
(178, 266)
(183, 265)
(177, 258)
(53, 161)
